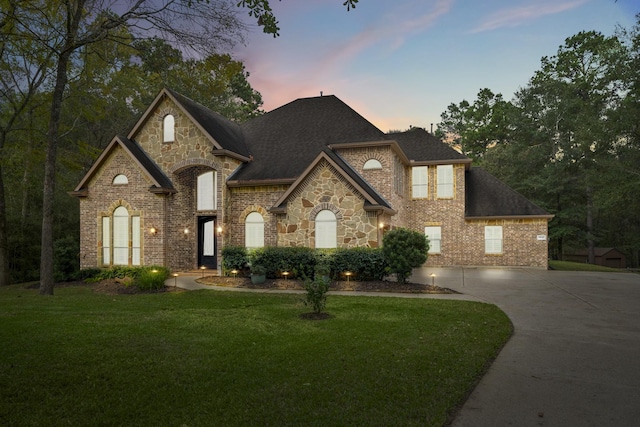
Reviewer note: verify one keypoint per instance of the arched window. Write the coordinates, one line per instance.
(326, 229)
(120, 179)
(207, 191)
(121, 238)
(168, 128)
(254, 231)
(372, 164)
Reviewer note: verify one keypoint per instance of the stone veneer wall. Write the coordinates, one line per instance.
(104, 197)
(182, 161)
(324, 188)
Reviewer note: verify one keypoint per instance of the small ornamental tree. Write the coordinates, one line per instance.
(404, 250)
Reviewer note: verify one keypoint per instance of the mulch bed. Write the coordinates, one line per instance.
(114, 287)
(352, 285)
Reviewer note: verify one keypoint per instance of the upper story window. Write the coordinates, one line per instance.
(168, 128)
(207, 195)
(420, 182)
(120, 179)
(398, 176)
(326, 229)
(254, 230)
(372, 164)
(445, 181)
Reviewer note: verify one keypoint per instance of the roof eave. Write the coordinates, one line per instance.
(229, 153)
(259, 182)
(162, 190)
(466, 162)
(380, 208)
(515, 217)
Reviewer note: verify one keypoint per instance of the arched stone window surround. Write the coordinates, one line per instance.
(325, 206)
(253, 208)
(183, 164)
(372, 156)
(372, 164)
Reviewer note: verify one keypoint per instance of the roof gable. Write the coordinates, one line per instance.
(161, 183)
(373, 201)
(487, 196)
(225, 135)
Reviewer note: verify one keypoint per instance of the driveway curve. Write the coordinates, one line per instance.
(574, 357)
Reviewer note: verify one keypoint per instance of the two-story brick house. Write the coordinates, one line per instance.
(186, 181)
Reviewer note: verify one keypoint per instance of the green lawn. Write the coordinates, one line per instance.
(208, 358)
(580, 266)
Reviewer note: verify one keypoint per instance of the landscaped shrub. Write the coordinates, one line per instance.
(146, 278)
(298, 261)
(404, 250)
(364, 263)
(234, 258)
(151, 278)
(316, 293)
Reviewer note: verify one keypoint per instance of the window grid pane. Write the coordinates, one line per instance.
(435, 239)
(121, 236)
(326, 230)
(420, 182)
(206, 191)
(254, 231)
(135, 240)
(445, 181)
(493, 239)
(106, 241)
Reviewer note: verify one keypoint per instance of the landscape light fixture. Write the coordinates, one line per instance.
(285, 274)
(203, 268)
(348, 274)
(433, 279)
(175, 280)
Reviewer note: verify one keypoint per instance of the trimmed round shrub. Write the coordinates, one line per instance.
(404, 250)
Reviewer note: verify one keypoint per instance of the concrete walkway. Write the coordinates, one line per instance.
(573, 359)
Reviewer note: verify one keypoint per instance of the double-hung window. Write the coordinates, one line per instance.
(420, 182)
(434, 234)
(445, 181)
(493, 239)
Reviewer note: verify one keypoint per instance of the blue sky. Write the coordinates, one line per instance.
(400, 63)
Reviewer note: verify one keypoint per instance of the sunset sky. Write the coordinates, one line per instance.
(400, 63)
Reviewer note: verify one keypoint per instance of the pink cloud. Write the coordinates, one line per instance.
(521, 15)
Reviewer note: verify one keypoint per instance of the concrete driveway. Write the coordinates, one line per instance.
(574, 358)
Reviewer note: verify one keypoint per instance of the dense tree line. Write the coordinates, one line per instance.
(73, 73)
(569, 140)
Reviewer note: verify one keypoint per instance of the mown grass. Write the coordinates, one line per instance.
(211, 358)
(580, 266)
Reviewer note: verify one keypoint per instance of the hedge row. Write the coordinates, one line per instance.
(300, 262)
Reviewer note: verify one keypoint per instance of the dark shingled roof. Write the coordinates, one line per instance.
(149, 165)
(420, 145)
(286, 140)
(227, 133)
(487, 196)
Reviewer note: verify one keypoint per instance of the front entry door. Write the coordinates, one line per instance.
(207, 242)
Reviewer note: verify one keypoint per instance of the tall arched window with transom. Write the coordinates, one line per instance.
(121, 239)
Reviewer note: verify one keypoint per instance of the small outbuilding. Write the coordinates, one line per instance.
(607, 257)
